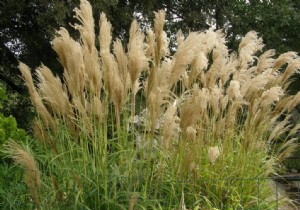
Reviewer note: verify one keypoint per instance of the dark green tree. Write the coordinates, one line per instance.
(26, 28)
(277, 21)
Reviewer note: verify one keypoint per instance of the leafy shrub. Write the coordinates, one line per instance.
(12, 189)
(8, 125)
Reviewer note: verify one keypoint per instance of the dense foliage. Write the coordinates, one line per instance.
(8, 125)
(12, 188)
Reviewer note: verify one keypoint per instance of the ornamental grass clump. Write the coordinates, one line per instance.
(206, 133)
(31, 172)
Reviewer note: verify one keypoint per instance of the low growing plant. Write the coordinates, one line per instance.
(12, 189)
(8, 125)
(202, 136)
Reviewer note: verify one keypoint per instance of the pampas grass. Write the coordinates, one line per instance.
(31, 172)
(209, 115)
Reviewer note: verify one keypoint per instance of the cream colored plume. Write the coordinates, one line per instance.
(150, 39)
(213, 154)
(31, 172)
(137, 60)
(292, 68)
(90, 54)
(269, 97)
(86, 27)
(194, 108)
(233, 90)
(249, 45)
(292, 103)
(184, 55)
(98, 109)
(265, 61)
(198, 65)
(122, 61)
(196, 46)
(191, 133)
(104, 34)
(162, 43)
(108, 64)
(154, 102)
(284, 58)
(71, 56)
(36, 98)
(51, 90)
(215, 100)
(114, 71)
(171, 124)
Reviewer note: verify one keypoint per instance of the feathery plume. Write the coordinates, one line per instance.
(183, 56)
(213, 154)
(71, 56)
(104, 34)
(249, 45)
(279, 129)
(83, 117)
(216, 94)
(194, 108)
(171, 124)
(27, 162)
(197, 66)
(35, 97)
(51, 90)
(115, 80)
(191, 133)
(293, 102)
(269, 97)
(233, 90)
(189, 49)
(254, 84)
(161, 46)
(90, 54)
(284, 58)
(287, 149)
(137, 60)
(154, 102)
(219, 63)
(265, 61)
(228, 69)
(150, 39)
(97, 108)
(292, 68)
(84, 15)
(42, 135)
(118, 96)
(122, 61)
(26, 73)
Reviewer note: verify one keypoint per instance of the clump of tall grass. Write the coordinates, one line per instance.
(203, 135)
(26, 160)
